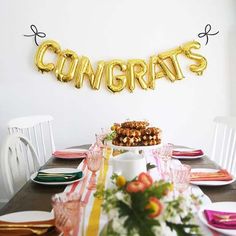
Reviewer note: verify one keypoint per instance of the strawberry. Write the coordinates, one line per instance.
(146, 179)
(154, 205)
(135, 186)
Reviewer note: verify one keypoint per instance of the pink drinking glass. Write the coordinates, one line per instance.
(94, 162)
(100, 139)
(164, 154)
(68, 212)
(181, 177)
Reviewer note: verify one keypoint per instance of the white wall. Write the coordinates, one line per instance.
(108, 29)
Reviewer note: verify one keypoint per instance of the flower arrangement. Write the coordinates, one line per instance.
(144, 207)
(109, 136)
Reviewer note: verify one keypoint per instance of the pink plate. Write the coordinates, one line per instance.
(70, 153)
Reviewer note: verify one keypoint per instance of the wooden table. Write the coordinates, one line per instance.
(34, 196)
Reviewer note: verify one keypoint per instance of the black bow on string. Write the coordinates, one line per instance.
(207, 33)
(35, 34)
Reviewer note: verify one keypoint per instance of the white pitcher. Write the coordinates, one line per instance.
(129, 165)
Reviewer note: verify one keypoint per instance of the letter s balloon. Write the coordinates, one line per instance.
(201, 61)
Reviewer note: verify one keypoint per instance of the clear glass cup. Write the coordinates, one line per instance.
(165, 152)
(180, 175)
(164, 155)
(68, 212)
(94, 162)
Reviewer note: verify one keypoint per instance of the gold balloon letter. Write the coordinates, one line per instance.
(172, 55)
(63, 56)
(136, 70)
(152, 74)
(85, 69)
(47, 45)
(201, 61)
(120, 79)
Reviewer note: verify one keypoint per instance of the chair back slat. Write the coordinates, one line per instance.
(36, 140)
(222, 147)
(43, 142)
(28, 133)
(232, 155)
(228, 148)
(51, 136)
(215, 142)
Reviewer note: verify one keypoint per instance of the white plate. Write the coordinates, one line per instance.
(186, 157)
(210, 183)
(135, 148)
(24, 216)
(71, 150)
(57, 170)
(218, 206)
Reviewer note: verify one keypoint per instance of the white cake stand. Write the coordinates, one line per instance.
(135, 149)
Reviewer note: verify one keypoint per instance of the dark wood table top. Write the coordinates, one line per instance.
(33, 196)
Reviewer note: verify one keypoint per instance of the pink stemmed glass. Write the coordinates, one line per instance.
(181, 177)
(165, 154)
(94, 162)
(68, 212)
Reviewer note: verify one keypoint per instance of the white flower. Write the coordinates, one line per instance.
(163, 230)
(117, 225)
(122, 197)
(113, 213)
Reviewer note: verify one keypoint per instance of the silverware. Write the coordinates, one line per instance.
(56, 174)
(35, 231)
(225, 218)
(15, 225)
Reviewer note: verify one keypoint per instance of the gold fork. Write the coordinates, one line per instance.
(56, 174)
(225, 218)
(35, 231)
(15, 225)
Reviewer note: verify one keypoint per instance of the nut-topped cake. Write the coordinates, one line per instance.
(136, 133)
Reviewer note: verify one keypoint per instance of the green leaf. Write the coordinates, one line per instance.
(150, 166)
(108, 230)
(110, 136)
(137, 217)
(181, 229)
(159, 191)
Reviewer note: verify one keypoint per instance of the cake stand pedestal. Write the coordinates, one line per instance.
(135, 149)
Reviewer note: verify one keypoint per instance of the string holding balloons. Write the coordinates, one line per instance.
(207, 33)
(35, 34)
(165, 64)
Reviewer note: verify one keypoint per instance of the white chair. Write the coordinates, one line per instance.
(18, 161)
(224, 143)
(38, 129)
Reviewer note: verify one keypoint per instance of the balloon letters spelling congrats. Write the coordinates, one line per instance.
(165, 64)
